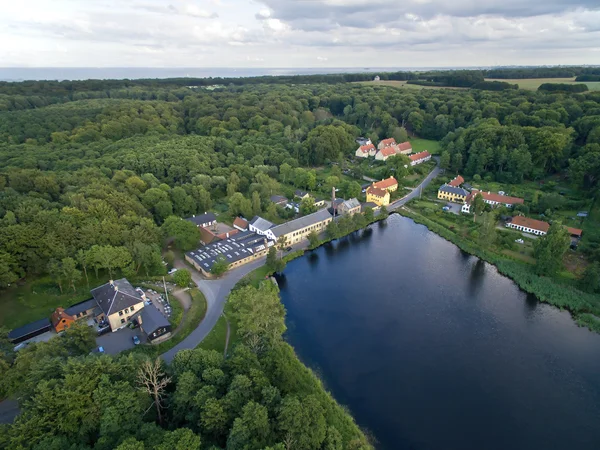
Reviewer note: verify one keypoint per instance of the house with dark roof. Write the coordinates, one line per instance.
(279, 200)
(452, 193)
(87, 308)
(154, 324)
(118, 302)
(349, 207)
(203, 220)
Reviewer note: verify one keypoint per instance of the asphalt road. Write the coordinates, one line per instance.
(415, 193)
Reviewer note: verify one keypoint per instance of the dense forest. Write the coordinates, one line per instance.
(260, 397)
(88, 176)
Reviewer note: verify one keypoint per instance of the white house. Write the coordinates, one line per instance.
(365, 150)
(385, 153)
(419, 158)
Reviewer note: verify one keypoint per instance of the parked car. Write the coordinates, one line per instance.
(172, 271)
(103, 330)
(136, 340)
(288, 249)
(100, 349)
(520, 241)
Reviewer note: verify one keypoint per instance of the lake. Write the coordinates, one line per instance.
(431, 348)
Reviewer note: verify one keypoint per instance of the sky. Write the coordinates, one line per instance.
(298, 33)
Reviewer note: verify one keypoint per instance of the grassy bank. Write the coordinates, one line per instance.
(584, 307)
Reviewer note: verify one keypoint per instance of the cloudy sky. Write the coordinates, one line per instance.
(297, 33)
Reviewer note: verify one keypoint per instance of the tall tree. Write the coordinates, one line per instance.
(550, 249)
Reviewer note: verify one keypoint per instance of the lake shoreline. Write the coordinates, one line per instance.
(544, 289)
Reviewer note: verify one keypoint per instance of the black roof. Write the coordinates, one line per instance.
(203, 218)
(116, 296)
(152, 319)
(278, 198)
(32, 327)
(81, 307)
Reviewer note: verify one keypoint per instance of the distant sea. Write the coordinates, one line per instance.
(119, 73)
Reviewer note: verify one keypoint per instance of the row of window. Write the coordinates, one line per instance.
(309, 229)
(126, 310)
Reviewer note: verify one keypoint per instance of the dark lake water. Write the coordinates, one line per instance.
(431, 348)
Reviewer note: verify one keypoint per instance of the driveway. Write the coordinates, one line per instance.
(116, 342)
(215, 292)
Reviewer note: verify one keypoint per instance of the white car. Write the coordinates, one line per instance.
(172, 271)
(520, 241)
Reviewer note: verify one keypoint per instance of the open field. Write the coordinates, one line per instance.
(534, 83)
(419, 145)
(402, 84)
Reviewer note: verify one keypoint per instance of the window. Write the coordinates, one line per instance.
(122, 320)
(126, 310)
(85, 313)
(131, 308)
(120, 313)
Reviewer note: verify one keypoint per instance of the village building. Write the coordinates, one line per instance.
(364, 206)
(389, 184)
(301, 194)
(538, 227)
(365, 151)
(29, 331)
(61, 320)
(349, 207)
(491, 198)
(452, 194)
(203, 220)
(154, 324)
(363, 141)
(405, 148)
(279, 200)
(381, 197)
(216, 232)
(419, 158)
(238, 250)
(240, 223)
(386, 143)
(456, 181)
(259, 225)
(385, 153)
(296, 230)
(118, 302)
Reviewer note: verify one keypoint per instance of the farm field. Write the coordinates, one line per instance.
(534, 83)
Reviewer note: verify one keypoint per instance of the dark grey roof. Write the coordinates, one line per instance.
(234, 248)
(299, 193)
(152, 319)
(352, 203)
(302, 222)
(260, 223)
(371, 205)
(453, 190)
(81, 307)
(32, 327)
(112, 298)
(278, 199)
(203, 218)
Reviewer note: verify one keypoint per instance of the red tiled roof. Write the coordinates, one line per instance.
(574, 231)
(228, 234)
(388, 141)
(492, 196)
(366, 148)
(388, 151)
(405, 146)
(240, 222)
(418, 156)
(457, 181)
(376, 191)
(386, 184)
(531, 223)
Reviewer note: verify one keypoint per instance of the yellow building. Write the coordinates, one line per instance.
(389, 184)
(381, 197)
(452, 194)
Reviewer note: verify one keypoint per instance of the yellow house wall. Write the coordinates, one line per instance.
(451, 197)
(380, 201)
(115, 319)
(298, 235)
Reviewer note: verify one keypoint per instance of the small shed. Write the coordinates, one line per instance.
(29, 331)
(154, 324)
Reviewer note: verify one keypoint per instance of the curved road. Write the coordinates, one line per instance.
(216, 291)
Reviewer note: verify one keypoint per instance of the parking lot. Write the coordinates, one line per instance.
(159, 300)
(120, 340)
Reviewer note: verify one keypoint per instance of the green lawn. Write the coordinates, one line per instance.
(419, 145)
(216, 338)
(38, 298)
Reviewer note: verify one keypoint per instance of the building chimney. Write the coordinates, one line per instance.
(112, 283)
(227, 234)
(116, 288)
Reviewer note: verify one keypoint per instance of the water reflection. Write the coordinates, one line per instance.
(476, 277)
